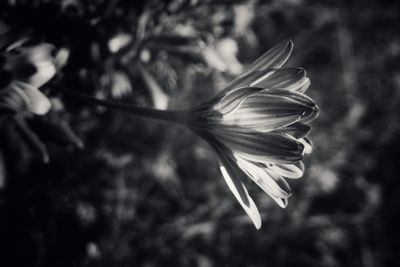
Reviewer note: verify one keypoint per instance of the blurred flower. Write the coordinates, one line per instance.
(20, 96)
(160, 99)
(227, 48)
(118, 42)
(23, 69)
(217, 54)
(32, 64)
(257, 125)
(120, 84)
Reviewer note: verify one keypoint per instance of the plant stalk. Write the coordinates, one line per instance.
(176, 116)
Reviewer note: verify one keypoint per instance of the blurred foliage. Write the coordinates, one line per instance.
(144, 193)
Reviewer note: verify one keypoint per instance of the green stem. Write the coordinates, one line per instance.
(165, 115)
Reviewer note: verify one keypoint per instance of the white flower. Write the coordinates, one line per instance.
(20, 96)
(31, 64)
(258, 127)
(23, 69)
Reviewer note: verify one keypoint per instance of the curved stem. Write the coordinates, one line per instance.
(165, 115)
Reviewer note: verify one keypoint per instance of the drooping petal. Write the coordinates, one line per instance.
(233, 176)
(266, 180)
(282, 202)
(268, 146)
(307, 145)
(292, 171)
(280, 181)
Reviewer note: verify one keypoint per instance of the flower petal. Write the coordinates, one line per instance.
(282, 202)
(312, 109)
(246, 81)
(273, 58)
(36, 102)
(307, 145)
(269, 182)
(302, 86)
(233, 100)
(297, 130)
(233, 175)
(268, 146)
(266, 111)
(287, 78)
(262, 67)
(292, 171)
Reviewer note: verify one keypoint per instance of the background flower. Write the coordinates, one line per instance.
(25, 68)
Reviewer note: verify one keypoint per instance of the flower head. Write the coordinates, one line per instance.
(258, 126)
(23, 69)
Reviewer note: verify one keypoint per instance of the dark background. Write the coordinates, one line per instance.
(148, 193)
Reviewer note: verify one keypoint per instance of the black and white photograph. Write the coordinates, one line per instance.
(199, 133)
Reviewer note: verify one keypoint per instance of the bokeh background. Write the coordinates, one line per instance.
(148, 193)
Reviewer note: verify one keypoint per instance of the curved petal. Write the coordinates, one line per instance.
(312, 109)
(233, 100)
(282, 202)
(36, 102)
(286, 78)
(291, 171)
(262, 67)
(273, 147)
(233, 176)
(268, 181)
(273, 58)
(266, 111)
(307, 145)
(297, 130)
(302, 86)
(245, 81)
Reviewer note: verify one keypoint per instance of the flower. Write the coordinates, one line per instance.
(19, 96)
(23, 69)
(258, 126)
